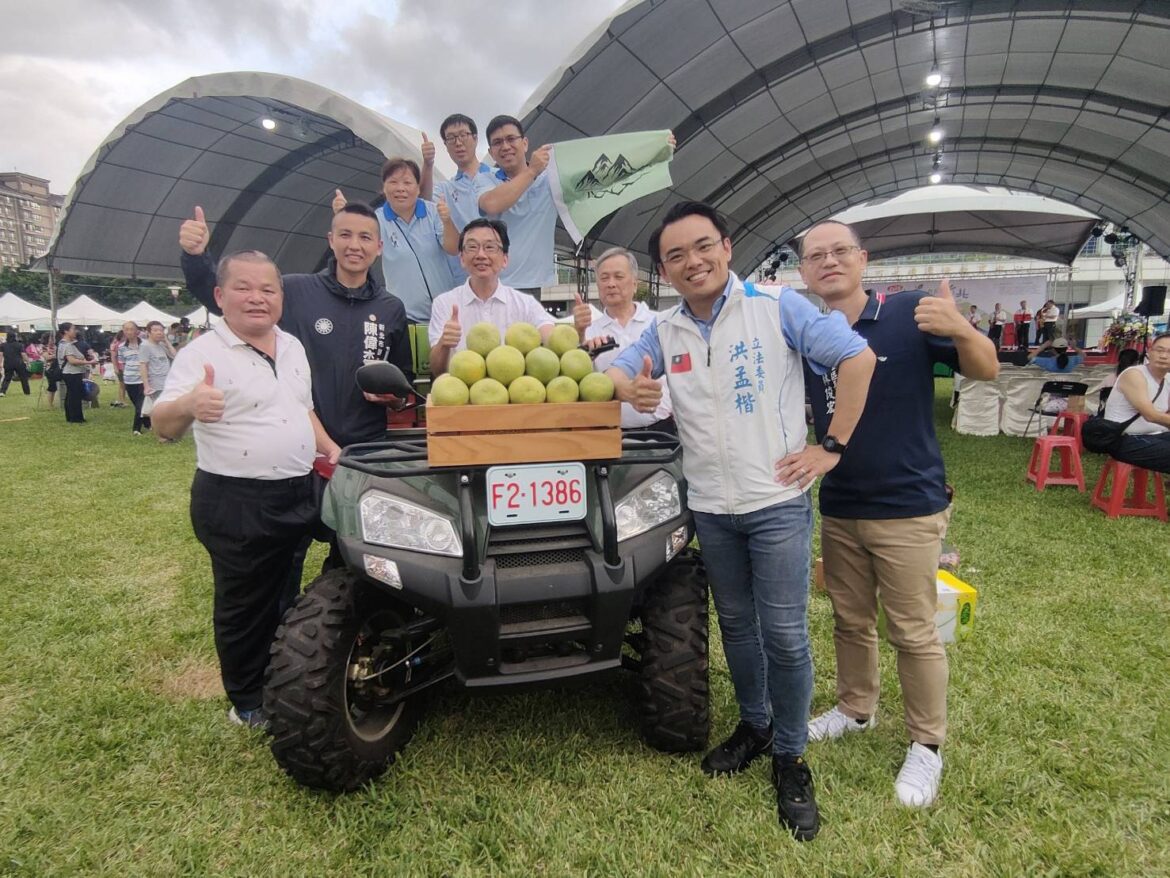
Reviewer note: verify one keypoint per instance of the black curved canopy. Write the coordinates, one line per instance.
(789, 112)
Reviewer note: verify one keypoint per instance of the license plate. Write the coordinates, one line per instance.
(536, 492)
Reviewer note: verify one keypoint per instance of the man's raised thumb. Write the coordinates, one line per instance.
(577, 298)
(199, 214)
(425, 138)
(647, 368)
(208, 375)
(944, 289)
(454, 312)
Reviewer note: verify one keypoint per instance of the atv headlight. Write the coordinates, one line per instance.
(388, 521)
(653, 503)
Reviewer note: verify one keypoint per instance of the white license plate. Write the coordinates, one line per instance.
(530, 493)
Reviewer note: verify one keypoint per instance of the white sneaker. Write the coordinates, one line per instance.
(834, 724)
(917, 783)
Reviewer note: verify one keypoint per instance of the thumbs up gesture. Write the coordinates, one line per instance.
(452, 331)
(582, 314)
(338, 201)
(939, 315)
(194, 234)
(206, 400)
(444, 210)
(647, 393)
(428, 150)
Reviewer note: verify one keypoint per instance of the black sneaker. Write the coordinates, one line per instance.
(738, 751)
(796, 803)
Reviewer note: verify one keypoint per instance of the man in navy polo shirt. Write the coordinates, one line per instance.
(883, 508)
(519, 195)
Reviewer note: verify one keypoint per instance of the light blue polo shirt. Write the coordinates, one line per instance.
(531, 221)
(414, 264)
(463, 201)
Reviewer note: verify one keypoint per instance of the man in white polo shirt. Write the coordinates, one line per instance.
(624, 321)
(245, 386)
(483, 248)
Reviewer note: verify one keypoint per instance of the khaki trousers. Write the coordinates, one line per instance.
(894, 561)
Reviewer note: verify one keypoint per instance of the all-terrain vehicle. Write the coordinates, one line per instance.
(494, 577)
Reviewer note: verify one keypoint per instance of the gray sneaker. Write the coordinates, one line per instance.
(253, 719)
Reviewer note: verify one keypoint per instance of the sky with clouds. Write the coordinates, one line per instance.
(70, 70)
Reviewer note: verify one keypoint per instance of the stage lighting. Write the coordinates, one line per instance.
(1111, 238)
(936, 132)
(934, 77)
(936, 177)
(268, 124)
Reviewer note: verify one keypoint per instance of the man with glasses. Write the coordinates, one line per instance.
(884, 508)
(483, 247)
(731, 355)
(517, 194)
(461, 137)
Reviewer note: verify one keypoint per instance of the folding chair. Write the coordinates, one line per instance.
(1049, 392)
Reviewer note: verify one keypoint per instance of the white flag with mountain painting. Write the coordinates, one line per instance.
(593, 177)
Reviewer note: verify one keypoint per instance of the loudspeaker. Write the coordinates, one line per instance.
(1153, 301)
(1014, 358)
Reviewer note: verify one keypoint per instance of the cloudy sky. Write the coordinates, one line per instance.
(70, 70)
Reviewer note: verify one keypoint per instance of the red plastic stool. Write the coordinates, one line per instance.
(1039, 468)
(1116, 502)
(1069, 424)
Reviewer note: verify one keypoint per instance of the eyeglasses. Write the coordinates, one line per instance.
(702, 248)
(511, 140)
(490, 248)
(458, 138)
(839, 254)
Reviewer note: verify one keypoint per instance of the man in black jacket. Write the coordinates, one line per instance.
(341, 315)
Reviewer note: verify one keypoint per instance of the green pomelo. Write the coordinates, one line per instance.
(564, 338)
(596, 387)
(467, 366)
(562, 389)
(488, 391)
(575, 363)
(543, 364)
(449, 390)
(505, 364)
(482, 338)
(523, 337)
(526, 389)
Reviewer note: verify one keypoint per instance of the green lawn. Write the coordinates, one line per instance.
(115, 758)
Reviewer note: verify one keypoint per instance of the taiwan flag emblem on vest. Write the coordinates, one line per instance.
(680, 363)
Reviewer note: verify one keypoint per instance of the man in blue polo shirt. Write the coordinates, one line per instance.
(519, 194)
(731, 357)
(461, 137)
(883, 509)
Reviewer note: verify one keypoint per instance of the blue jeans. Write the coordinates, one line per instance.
(1146, 450)
(758, 566)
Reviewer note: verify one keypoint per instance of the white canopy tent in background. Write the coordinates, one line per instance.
(144, 312)
(15, 311)
(84, 311)
(203, 317)
(1101, 309)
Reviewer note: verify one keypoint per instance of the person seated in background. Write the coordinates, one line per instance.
(1144, 392)
(1125, 359)
(1056, 356)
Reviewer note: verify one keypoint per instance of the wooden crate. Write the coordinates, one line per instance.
(475, 435)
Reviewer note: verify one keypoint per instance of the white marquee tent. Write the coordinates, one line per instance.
(144, 312)
(15, 311)
(86, 312)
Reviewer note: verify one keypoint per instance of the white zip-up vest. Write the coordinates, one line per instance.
(738, 402)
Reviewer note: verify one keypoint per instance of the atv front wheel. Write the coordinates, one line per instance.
(673, 689)
(340, 656)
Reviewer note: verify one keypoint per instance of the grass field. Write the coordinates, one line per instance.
(115, 758)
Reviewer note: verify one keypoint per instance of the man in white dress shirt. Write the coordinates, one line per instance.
(483, 250)
(624, 321)
(246, 388)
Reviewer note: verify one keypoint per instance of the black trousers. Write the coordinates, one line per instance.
(20, 372)
(137, 396)
(1022, 330)
(251, 529)
(74, 393)
(995, 332)
(1147, 450)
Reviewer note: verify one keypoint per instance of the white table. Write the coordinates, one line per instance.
(987, 408)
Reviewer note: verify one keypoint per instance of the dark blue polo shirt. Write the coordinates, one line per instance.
(893, 467)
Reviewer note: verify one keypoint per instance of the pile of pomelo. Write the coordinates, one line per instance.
(521, 370)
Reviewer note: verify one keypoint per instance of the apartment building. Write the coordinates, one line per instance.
(28, 212)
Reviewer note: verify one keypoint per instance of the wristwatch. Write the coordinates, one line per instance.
(831, 445)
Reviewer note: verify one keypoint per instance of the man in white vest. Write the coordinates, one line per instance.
(731, 356)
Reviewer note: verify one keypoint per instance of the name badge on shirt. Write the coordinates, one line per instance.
(680, 363)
